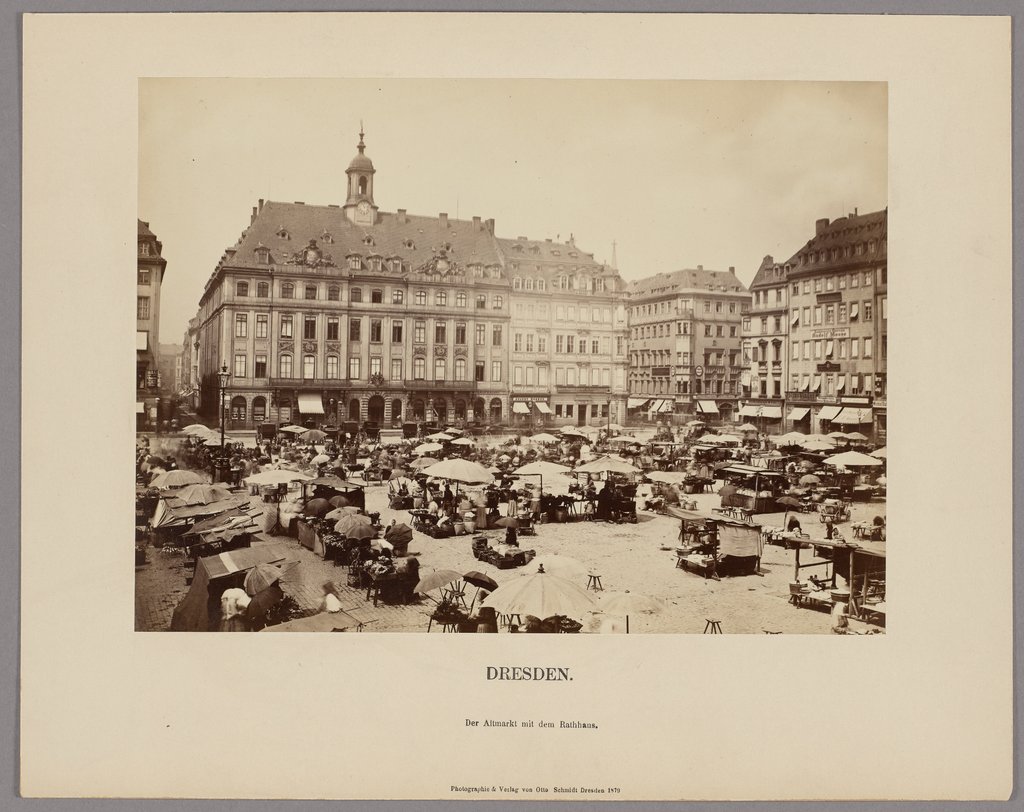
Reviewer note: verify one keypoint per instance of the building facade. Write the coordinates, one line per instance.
(568, 354)
(765, 334)
(685, 356)
(328, 314)
(838, 327)
(150, 272)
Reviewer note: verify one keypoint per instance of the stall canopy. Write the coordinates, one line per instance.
(542, 407)
(140, 407)
(520, 408)
(707, 406)
(739, 540)
(798, 413)
(767, 412)
(829, 412)
(310, 403)
(636, 403)
(853, 417)
(192, 614)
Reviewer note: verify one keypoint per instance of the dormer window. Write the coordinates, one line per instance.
(541, 285)
(367, 240)
(555, 252)
(327, 237)
(517, 247)
(283, 234)
(517, 283)
(528, 284)
(535, 249)
(573, 254)
(262, 255)
(143, 249)
(355, 262)
(409, 244)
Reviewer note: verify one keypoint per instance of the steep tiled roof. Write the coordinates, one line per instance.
(144, 230)
(766, 276)
(689, 279)
(287, 228)
(849, 230)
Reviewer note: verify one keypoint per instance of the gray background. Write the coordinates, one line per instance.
(10, 355)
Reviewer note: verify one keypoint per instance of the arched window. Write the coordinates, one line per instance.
(310, 291)
(242, 289)
(419, 411)
(441, 298)
(362, 184)
(284, 366)
(460, 410)
(529, 283)
(333, 293)
(238, 408)
(353, 409)
(517, 283)
(356, 295)
(460, 299)
(262, 290)
(541, 285)
(495, 410)
(396, 410)
(287, 290)
(259, 409)
(499, 302)
(440, 410)
(460, 369)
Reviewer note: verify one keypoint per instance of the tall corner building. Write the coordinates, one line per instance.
(150, 270)
(332, 313)
(685, 344)
(837, 348)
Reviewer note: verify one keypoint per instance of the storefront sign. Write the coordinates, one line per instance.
(828, 366)
(832, 332)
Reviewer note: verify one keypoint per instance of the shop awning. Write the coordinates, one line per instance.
(310, 403)
(656, 405)
(141, 340)
(707, 406)
(748, 411)
(829, 412)
(851, 416)
(816, 383)
(542, 407)
(636, 403)
(771, 412)
(140, 407)
(667, 406)
(798, 413)
(520, 408)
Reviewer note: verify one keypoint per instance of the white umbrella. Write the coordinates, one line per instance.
(791, 438)
(176, 478)
(428, 448)
(276, 477)
(439, 437)
(541, 595)
(462, 441)
(608, 464)
(628, 603)
(879, 453)
(747, 427)
(319, 458)
(544, 468)
(195, 428)
(856, 435)
(543, 437)
(853, 459)
(467, 471)
(294, 429)
(667, 477)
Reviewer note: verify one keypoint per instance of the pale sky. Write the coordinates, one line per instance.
(677, 173)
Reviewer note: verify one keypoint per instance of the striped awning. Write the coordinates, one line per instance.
(829, 412)
(707, 406)
(310, 403)
(520, 408)
(636, 403)
(542, 406)
(852, 416)
(667, 406)
(798, 413)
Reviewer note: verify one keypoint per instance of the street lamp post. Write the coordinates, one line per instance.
(223, 375)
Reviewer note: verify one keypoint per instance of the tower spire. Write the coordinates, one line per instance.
(361, 146)
(615, 260)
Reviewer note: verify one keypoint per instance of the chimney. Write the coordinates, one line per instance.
(732, 269)
(401, 216)
(261, 204)
(820, 226)
(490, 225)
(476, 223)
(253, 219)
(443, 217)
(700, 267)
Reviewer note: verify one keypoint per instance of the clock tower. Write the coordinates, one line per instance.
(359, 206)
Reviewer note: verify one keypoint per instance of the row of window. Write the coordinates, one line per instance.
(829, 384)
(839, 313)
(680, 305)
(663, 386)
(835, 348)
(332, 370)
(843, 252)
(596, 409)
(824, 284)
(656, 358)
(376, 295)
(562, 282)
(376, 331)
(761, 297)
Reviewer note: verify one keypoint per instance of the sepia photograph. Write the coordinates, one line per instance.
(511, 356)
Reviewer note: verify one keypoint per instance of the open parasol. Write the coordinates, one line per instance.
(317, 507)
(312, 436)
(543, 437)
(201, 494)
(466, 471)
(436, 580)
(628, 603)
(423, 462)
(276, 477)
(853, 459)
(440, 437)
(346, 523)
(176, 478)
(608, 464)
(748, 427)
(541, 594)
(810, 479)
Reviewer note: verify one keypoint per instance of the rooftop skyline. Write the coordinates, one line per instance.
(676, 174)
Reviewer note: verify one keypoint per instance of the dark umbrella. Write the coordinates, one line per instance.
(480, 580)
(507, 521)
(317, 507)
(338, 501)
(788, 502)
(399, 533)
(361, 531)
